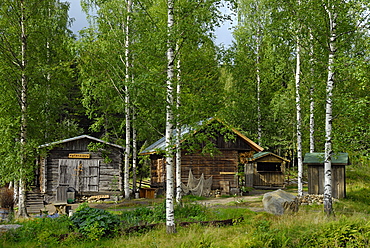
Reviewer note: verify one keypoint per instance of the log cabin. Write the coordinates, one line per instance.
(222, 165)
(84, 165)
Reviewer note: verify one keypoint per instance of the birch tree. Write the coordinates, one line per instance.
(26, 58)
(298, 110)
(170, 217)
(127, 101)
(332, 19)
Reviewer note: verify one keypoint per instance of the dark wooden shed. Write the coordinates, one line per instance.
(221, 166)
(265, 170)
(316, 174)
(83, 165)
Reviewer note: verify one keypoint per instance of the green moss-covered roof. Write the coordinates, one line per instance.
(340, 158)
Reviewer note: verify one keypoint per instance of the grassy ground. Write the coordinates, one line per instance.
(310, 227)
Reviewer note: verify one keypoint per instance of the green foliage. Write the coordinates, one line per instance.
(191, 212)
(43, 232)
(94, 223)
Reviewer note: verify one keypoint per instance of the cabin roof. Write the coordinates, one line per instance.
(260, 155)
(81, 137)
(161, 143)
(340, 158)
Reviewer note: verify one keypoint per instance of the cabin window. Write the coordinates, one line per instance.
(268, 167)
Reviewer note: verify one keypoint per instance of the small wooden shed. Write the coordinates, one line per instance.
(265, 170)
(316, 174)
(221, 166)
(82, 165)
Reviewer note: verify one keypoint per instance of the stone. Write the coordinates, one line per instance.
(279, 202)
(4, 228)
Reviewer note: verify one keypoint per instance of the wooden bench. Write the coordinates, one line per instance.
(60, 207)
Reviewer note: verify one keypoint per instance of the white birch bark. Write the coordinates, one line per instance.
(170, 218)
(258, 44)
(127, 102)
(16, 192)
(178, 132)
(298, 113)
(312, 102)
(22, 211)
(134, 154)
(328, 204)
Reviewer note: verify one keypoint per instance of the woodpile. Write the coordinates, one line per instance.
(311, 199)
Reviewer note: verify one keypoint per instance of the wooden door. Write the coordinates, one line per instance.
(89, 176)
(69, 172)
(82, 175)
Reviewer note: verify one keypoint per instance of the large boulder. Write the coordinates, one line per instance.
(278, 202)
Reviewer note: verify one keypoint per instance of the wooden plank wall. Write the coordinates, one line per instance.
(158, 172)
(316, 178)
(269, 178)
(109, 173)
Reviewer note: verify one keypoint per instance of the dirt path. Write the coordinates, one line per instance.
(252, 202)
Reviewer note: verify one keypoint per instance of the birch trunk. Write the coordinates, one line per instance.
(134, 154)
(22, 211)
(16, 192)
(312, 102)
(298, 110)
(259, 128)
(127, 102)
(178, 133)
(170, 218)
(328, 204)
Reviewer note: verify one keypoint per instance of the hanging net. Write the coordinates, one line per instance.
(198, 187)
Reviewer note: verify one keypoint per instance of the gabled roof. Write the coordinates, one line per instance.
(161, 143)
(81, 137)
(260, 155)
(340, 158)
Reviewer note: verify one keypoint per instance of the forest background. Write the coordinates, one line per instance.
(111, 80)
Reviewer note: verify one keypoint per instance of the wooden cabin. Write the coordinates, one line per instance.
(222, 166)
(83, 165)
(316, 173)
(265, 170)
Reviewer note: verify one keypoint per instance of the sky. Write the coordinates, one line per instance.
(223, 34)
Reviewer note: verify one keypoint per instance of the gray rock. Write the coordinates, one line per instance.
(4, 228)
(279, 202)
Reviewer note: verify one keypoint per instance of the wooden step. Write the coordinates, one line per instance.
(35, 201)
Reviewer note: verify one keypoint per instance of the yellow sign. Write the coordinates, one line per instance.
(76, 155)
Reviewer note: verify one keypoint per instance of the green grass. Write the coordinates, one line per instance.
(310, 227)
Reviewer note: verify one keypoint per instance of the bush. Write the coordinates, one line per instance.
(94, 223)
(6, 198)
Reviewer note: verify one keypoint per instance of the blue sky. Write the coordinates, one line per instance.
(223, 34)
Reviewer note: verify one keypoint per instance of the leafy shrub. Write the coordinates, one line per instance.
(94, 223)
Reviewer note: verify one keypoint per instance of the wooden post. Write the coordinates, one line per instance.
(248, 171)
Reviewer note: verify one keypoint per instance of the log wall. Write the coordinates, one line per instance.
(222, 167)
(97, 174)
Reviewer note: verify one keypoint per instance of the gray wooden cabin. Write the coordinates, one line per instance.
(265, 170)
(69, 165)
(316, 174)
